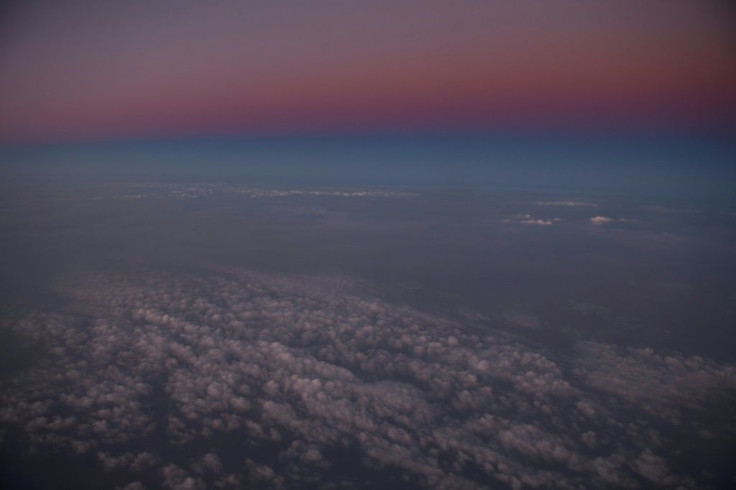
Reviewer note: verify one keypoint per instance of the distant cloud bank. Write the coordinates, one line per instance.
(573, 204)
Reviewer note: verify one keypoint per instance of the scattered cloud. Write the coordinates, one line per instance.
(568, 203)
(600, 220)
(204, 190)
(256, 192)
(528, 219)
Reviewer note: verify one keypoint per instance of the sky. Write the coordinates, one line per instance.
(89, 70)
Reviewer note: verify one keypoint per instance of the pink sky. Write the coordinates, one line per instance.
(96, 70)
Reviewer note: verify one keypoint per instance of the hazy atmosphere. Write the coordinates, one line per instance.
(367, 245)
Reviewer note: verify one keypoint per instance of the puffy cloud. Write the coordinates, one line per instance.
(600, 220)
(304, 371)
(653, 468)
(528, 219)
(176, 478)
(650, 380)
(539, 222)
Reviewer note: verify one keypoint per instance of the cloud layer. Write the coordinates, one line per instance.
(158, 376)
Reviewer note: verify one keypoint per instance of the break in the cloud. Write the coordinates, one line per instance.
(297, 371)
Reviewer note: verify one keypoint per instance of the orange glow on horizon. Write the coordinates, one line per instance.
(613, 65)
